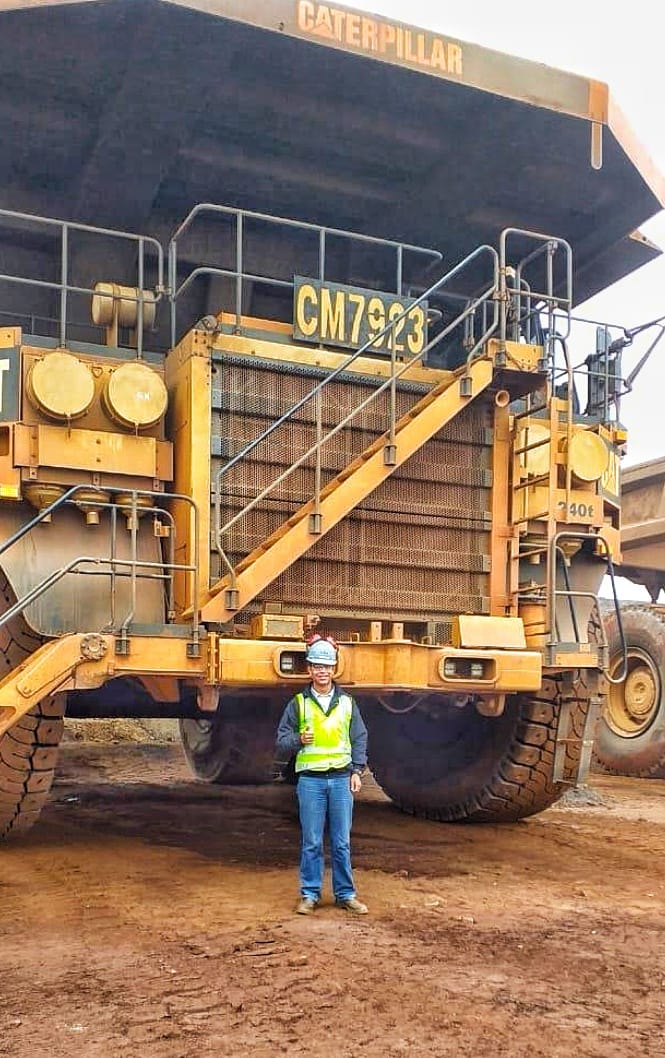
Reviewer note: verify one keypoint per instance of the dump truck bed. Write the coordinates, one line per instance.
(126, 114)
(643, 523)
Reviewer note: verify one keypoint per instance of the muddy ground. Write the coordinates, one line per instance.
(150, 916)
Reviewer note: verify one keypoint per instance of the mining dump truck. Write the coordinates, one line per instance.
(283, 350)
(631, 732)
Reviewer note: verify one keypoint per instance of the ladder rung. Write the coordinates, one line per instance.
(531, 518)
(529, 482)
(535, 444)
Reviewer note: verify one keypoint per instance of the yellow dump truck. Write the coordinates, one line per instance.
(293, 358)
(631, 733)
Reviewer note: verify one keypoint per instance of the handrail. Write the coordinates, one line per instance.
(341, 368)
(315, 392)
(623, 672)
(500, 292)
(241, 216)
(134, 563)
(64, 287)
(553, 592)
(549, 245)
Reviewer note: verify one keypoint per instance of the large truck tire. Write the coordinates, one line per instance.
(28, 756)
(236, 744)
(29, 750)
(630, 739)
(455, 765)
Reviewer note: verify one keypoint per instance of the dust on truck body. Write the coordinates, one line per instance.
(342, 401)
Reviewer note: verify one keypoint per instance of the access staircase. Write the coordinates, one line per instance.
(505, 308)
(344, 492)
(334, 500)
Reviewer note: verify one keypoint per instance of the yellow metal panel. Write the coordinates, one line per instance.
(82, 662)
(10, 477)
(162, 688)
(519, 357)
(188, 383)
(255, 323)
(512, 671)
(93, 450)
(387, 664)
(577, 660)
(277, 626)
(502, 532)
(78, 662)
(10, 337)
(478, 632)
(614, 538)
(302, 354)
(598, 101)
(101, 370)
(581, 508)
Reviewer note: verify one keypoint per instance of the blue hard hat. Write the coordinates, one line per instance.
(321, 652)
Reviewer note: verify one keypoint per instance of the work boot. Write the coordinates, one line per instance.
(355, 906)
(306, 906)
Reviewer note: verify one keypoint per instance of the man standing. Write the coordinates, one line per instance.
(323, 728)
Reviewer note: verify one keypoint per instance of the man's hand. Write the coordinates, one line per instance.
(356, 783)
(306, 738)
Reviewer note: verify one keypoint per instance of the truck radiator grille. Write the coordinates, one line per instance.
(416, 550)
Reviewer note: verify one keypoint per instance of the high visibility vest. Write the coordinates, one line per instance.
(331, 747)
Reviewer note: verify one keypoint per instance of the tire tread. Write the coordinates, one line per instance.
(521, 782)
(28, 751)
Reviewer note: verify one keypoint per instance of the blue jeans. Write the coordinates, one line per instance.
(325, 799)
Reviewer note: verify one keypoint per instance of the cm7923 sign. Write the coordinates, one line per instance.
(332, 314)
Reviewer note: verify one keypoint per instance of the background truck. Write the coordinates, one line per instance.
(342, 401)
(631, 733)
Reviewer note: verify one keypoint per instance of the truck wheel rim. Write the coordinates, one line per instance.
(633, 705)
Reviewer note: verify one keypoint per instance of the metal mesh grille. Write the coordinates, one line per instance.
(416, 549)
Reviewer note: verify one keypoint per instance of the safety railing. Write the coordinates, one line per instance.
(141, 246)
(522, 305)
(404, 254)
(504, 306)
(558, 560)
(112, 565)
(602, 377)
(539, 285)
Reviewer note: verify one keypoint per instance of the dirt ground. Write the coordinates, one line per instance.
(150, 915)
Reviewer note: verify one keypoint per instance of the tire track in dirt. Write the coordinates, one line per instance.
(149, 916)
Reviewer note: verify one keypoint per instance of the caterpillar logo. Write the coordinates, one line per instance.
(376, 36)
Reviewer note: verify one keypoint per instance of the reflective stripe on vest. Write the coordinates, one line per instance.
(332, 733)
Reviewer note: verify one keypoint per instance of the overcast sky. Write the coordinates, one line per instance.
(618, 44)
